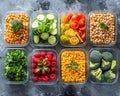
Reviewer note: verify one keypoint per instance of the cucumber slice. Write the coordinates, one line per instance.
(54, 32)
(44, 36)
(52, 39)
(36, 39)
(54, 25)
(34, 24)
(50, 16)
(40, 17)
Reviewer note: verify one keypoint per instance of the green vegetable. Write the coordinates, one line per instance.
(109, 76)
(95, 56)
(36, 39)
(16, 25)
(52, 39)
(107, 56)
(94, 65)
(16, 65)
(44, 36)
(113, 65)
(105, 65)
(103, 26)
(73, 65)
(97, 74)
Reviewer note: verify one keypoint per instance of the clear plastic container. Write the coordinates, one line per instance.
(43, 12)
(3, 67)
(115, 57)
(41, 82)
(4, 29)
(66, 13)
(86, 66)
(115, 27)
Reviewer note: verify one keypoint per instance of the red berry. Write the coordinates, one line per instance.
(37, 55)
(54, 59)
(52, 76)
(40, 78)
(50, 53)
(44, 73)
(34, 65)
(42, 54)
(35, 78)
(35, 60)
(37, 73)
(53, 63)
(33, 71)
(49, 57)
(48, 64)
(45, 79)
(53, 69)
(48, 70)
(41, 58)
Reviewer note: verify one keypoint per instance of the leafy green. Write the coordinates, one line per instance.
(16, 65)
(103, 26)
(73, 65)
(16, 25)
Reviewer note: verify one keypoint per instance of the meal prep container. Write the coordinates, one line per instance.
(115, 27)
(50, 82)
(33, 16)
(74, 49)
(66, 13)
(4, 28)
(115, 57)
(3, 66)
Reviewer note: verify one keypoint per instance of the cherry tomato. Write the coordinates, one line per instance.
(69, 16)
(75, 17)
(81, 16)
(74, 24)
(81, 23)
(82, 28)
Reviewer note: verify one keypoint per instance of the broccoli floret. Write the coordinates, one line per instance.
(97, 74)
(15, 25)
(113, 65)
(109, 76)
(105, 65)
(107, 56)
(95, 56)
(94, 65)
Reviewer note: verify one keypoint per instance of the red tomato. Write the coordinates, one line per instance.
(82, 28)
(74, 24)
(81, 16)
(75, 17)
(81, 23)
(69, 16)
(80, 33)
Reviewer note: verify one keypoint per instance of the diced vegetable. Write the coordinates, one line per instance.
(109, 75)
(94, 65)
(95, 56)
(113, 65)
(107, 56)
(105, 65)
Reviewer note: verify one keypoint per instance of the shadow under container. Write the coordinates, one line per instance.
(115, 70)
(18, 38)
(73, 66)
(73, 29)
(3, 66)
(54, 26)
(102, 28)
(40, 75)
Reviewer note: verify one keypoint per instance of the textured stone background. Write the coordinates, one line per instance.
(86, 6)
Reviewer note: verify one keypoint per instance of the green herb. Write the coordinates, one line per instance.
(16, 65)
(103, 26)
(42, 65)
(73, 65)
(16, 25)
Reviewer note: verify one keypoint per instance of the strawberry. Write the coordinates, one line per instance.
(50, 53)
(53, 63)
(33, 71)
(42, 54)
(54, 59)
(53, 69)
(48, 70)
(34, 65)
(41, 58)
(37, 73)
(37, 55)
(52, 76)
(40, 78)
(45, 79)
(35, 78)
(35, 60)
(48, 64)
(44, 73)
(49, 57)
